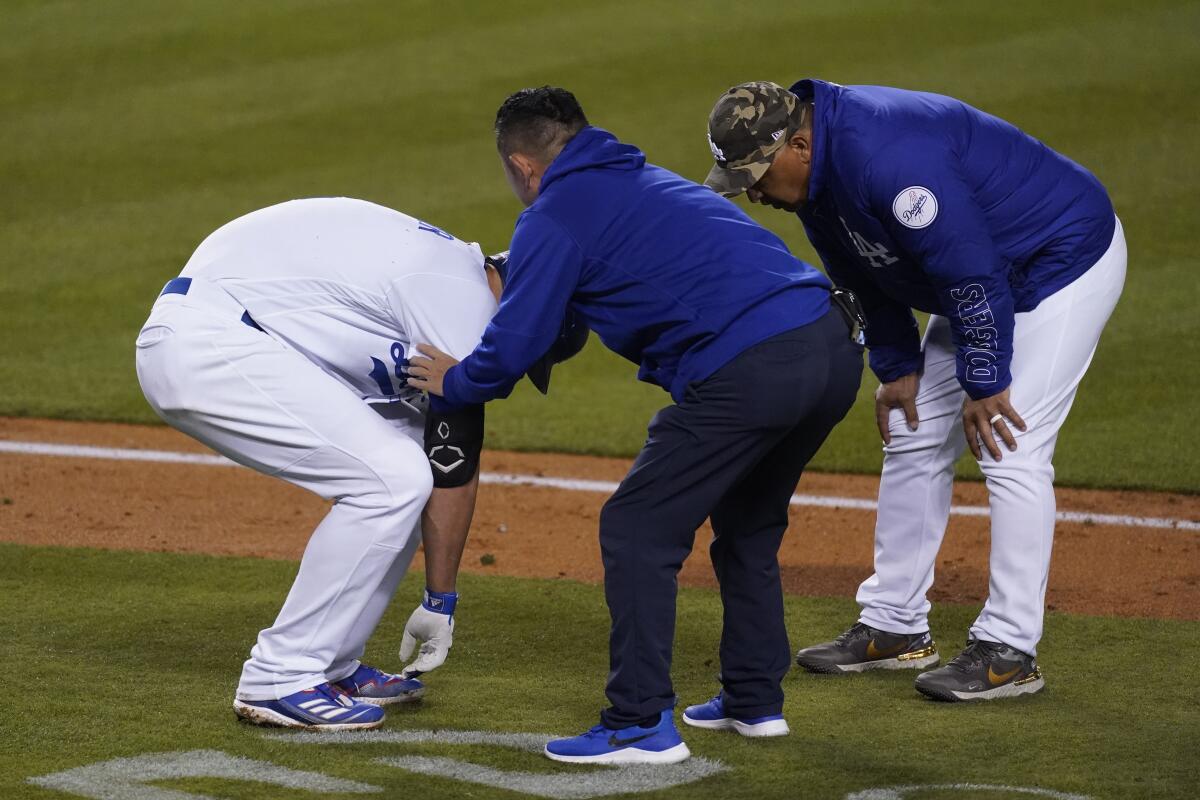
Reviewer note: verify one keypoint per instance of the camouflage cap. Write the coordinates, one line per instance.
(749, 124)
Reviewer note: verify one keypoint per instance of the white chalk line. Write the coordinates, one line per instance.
(572, 484)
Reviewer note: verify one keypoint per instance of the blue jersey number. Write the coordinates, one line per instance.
(383, 376)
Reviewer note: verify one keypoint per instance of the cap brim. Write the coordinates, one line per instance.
(729, 182)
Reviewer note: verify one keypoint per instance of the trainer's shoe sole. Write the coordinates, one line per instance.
(407, 697)
(257, 715)
(630, 755)
(918, 659)
(1031, 685)
(774, 727)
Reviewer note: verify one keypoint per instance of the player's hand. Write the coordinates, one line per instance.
(427, 371)
(900, 393)
(985, 419)
(434, 632)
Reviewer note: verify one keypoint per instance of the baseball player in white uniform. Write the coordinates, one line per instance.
(283, 345)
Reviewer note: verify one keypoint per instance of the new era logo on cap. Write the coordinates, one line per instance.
(747, 127)
(718, 154)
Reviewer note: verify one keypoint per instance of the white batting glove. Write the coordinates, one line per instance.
(431, 624)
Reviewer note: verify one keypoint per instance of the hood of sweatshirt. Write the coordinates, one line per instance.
(593, 148)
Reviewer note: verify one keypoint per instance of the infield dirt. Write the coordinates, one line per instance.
(551, 533)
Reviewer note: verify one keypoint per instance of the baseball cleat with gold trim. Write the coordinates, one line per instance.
(983, 671)
(864, 648)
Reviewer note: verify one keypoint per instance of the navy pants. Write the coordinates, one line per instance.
(732, 450)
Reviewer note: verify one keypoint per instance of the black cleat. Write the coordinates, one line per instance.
(862, 648)
(983, 671)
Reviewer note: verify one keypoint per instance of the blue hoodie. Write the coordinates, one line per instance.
(670, 275)
(920, 201)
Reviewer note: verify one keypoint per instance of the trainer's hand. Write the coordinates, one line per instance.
(435, 632)
(900, 393)
(978, 425)
(426, 371)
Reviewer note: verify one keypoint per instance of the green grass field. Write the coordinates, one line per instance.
(143, 651)
(129, 131)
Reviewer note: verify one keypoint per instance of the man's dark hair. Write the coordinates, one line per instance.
(538, 122)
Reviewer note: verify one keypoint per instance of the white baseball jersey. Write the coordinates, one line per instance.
(339, 292)
(351, 285)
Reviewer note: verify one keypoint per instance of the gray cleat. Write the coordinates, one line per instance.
(862, 648)
(983, 671)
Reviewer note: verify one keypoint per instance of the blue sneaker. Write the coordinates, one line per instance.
(637, 745)
(321, 708)
(370, 685)
(712, 715)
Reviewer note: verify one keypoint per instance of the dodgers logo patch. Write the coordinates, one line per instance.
(915, 207)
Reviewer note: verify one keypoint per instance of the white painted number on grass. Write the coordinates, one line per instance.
(916, 792)
(571, 784)
(128, 778)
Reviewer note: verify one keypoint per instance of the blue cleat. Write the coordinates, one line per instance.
(660, 744)
(370, 685)
(712, 715)
(321, 708)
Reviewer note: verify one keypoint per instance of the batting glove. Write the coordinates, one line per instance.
(431, 624)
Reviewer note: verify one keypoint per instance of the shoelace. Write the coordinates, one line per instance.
(602, 730)
(857, 630)
(370, 675)
(362, 676)
(973, 655)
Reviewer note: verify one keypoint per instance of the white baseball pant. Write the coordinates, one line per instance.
(1052, 349)
(265, 406)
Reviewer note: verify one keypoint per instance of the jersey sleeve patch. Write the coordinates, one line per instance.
(915, 207)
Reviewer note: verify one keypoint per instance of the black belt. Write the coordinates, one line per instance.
(182, 285)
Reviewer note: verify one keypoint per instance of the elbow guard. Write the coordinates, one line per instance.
(453, 440)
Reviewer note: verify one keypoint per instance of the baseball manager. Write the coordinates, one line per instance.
(919, 201)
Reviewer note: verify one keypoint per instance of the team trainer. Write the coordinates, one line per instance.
(916, 200)
(742, 334)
